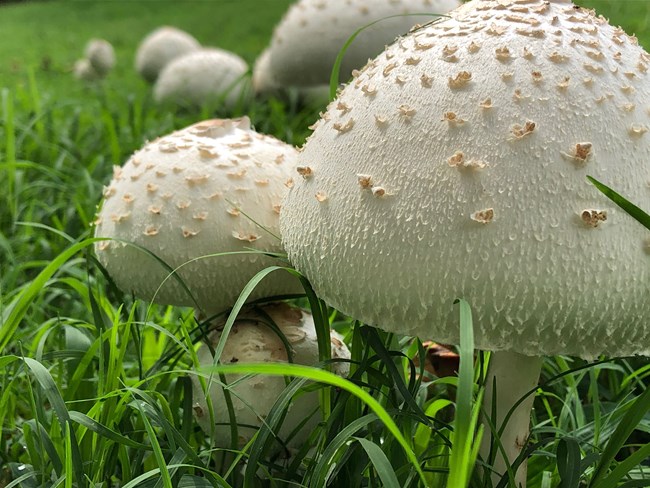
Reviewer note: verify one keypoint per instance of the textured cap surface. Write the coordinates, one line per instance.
(455, 165)
(253, 342)
(201, 77)
(210, 188)
(159, 48)
(308, 39)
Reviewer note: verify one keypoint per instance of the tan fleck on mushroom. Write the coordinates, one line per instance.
(556, 269)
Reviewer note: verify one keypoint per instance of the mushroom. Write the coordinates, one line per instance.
(101, 56)
(84, 71)
(203, 77)
(213, 187)
(308, 39)
(251, 341)
(423, 209)
(264, 85)
(160, 47)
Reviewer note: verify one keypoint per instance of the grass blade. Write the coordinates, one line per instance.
(326, 377)
(627, 425)
(16, 310)
(641, 216)
(568, 462)
(460, 463)
(380, 462)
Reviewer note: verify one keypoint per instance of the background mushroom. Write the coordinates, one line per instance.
(101, 56)
(265, 85)
(213, 187)
(161, 46)
(203, 77)
(308, 39)
(251, 341)
(455, 165)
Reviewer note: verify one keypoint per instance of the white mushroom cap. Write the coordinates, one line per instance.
(159, 48)
(250, 341)
(455, 165)
(201, 77)
(101, 56)
(84, 71)
(308, 39)
(213, 187)
(264, 84)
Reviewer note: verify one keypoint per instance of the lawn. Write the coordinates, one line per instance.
(94, 385)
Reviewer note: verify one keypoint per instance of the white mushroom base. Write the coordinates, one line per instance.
(510, 376)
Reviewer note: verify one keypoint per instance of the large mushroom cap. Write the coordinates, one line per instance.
(251, 341)
(101, 56)
(159, 48)
(307, 41)
(201, 77)
(213, 187)
(455, 165)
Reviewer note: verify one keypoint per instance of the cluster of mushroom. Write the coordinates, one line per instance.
(186, 74)
(205, 201)
(98, 61)
(454, 165)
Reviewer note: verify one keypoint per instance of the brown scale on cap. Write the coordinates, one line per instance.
(519, 131)
(321, 196)
(245, 236)
(484, 216)
(460, 80)
(187, 232)
(365, 181)
(119, 218)
(305, 171)
(564, 84)
(637, 130)
(452, 118)
(503, 53)
(343, 128)
(406, 112)
(593, 218)
(151, 230)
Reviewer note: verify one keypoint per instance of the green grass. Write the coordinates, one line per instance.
(94, 387)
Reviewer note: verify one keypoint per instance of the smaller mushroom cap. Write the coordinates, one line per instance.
(213, 187)
(202, 77)
(100, 55)
(84, 71)
(251, 341)
(159, 48)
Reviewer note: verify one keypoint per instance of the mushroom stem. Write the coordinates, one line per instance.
(510, 376)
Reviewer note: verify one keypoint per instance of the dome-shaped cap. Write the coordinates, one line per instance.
(455, 165)
(100, 55)
(308, 39)
(159, 48)
(213, 187)
(251, 341)
(201, 77)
